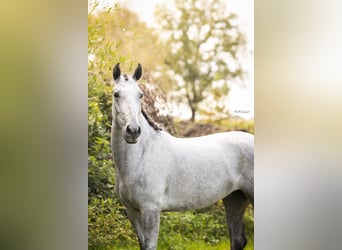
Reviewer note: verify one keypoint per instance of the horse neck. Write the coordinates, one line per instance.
(127, 156)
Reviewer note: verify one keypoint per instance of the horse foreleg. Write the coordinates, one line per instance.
(150, 226)
(235, 205)
(135, 218)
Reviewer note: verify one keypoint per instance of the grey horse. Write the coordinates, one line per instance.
(157, 172)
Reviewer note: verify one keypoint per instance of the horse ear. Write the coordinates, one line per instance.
(116, 72)
(138, 72)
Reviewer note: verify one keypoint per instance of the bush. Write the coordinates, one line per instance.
(107, 225)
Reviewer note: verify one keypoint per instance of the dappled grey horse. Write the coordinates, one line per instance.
(157, 172)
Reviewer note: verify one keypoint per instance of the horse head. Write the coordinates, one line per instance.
(127, 103)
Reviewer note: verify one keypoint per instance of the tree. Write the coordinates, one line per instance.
(204, 44)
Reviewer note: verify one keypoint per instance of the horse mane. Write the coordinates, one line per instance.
(150, 121)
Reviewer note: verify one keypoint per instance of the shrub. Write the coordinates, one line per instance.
(107, 225)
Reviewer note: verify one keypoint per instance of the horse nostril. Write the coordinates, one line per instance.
(133, 130)
(128, 130)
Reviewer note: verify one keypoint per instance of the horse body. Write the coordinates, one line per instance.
(159, 172)
(206, 169)
(182, 173)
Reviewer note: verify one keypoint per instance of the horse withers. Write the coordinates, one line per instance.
(157, 172)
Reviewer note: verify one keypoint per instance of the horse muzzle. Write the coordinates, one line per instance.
(132, 133)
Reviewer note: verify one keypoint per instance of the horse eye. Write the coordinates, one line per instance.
(116, 94)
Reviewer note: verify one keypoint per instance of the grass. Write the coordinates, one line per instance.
(223, 245)
(191, 231)
(181, 240)
(178, 231)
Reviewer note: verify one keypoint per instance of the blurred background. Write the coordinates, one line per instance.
(197, 59)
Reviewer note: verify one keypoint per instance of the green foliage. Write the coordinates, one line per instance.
(223, 245)
(176, 228)
(100, 170)
(124, 32)
(107, 225)
(110, 229)
(203, 49)
(179, 231)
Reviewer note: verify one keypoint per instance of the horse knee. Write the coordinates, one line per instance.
(135, 220)
(235, 205)
(150, 225)
(150, 219)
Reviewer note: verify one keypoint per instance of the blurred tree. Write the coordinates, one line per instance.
(136, 41)
(204, 43)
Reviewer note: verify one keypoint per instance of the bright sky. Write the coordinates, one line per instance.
(241, 97)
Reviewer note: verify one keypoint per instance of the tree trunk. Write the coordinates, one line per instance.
(193, 108)
(193, 114)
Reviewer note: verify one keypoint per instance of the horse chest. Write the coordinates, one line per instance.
(126, 195)
(132, 191)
